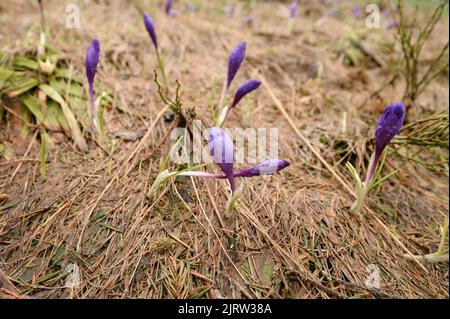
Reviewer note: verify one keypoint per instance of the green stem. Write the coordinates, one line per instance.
(161, 66)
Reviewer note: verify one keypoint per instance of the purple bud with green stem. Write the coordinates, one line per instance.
(234, 62)
(389, 124)
(91, 63)
(150, 26)
(222, 152)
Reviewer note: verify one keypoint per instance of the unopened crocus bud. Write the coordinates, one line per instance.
(245, 89)
(392, 24)
(222, 151)
(229, 10)
(390, 122)
(293, 7)
(333, 12)
(357, 11)
(91, 63)
(235, 61)
(248, 20)
(168, 6)
(264, 168)
(150, 26)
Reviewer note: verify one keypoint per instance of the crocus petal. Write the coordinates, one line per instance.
(91, 63)
(293, 9)
(235, 61)
(390, 122)
(222, 151)
(268, 167)
(150, 26)
(243, 90)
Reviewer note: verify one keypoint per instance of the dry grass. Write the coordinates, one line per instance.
(292, 236)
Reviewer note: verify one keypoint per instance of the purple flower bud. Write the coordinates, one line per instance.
(392, 24)
(267, 167)
(150, 26)
(244, 89)
(222, 150)
(390, 122)
(293, 9)
(229, 10)
(235, 61)
(357, 11)
(333, 12)
(248, 20)
(91, 63)
(92, 58)
(168, 6)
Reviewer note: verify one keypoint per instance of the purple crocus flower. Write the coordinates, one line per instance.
(222, 151)
(229, 10)
(235, 61)
(244, 89)
(248, 20)
(357, 11)
(168, 6)
(91, 63)
(293, 9)
(150, 26)
(333, 12)
(392, 24)
(168, 9)
(390, 122)
(268, 167)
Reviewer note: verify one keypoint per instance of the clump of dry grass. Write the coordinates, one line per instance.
(292, 237)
